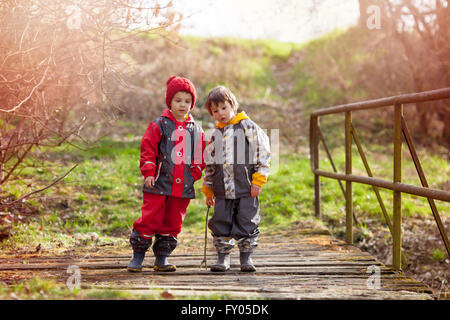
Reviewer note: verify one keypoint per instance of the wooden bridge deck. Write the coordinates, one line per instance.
(309, 265)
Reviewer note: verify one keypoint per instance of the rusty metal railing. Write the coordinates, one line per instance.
(396, 185)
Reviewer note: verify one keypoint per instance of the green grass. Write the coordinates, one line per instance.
(325, 74)
(271, 48)
(438, 255)
(49, 289)
(250, 74)
(37, 289)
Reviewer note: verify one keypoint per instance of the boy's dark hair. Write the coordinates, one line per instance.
(221, 94)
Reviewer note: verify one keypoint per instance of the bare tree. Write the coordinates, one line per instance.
(418, 34)
(58, 60)
(423, 29)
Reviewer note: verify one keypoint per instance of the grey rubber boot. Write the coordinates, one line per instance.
(222, 264)
(161, 264)
(136, 262)
(246, 262)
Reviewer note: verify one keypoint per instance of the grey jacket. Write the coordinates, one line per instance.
(237, 156)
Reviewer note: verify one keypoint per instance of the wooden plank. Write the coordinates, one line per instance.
(323, 294)
(273, 288)
(314, 255)
(257, 282)
(191, 264)
(210, 256)
(288, 267)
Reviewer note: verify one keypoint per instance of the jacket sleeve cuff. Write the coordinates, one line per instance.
(148, 169)
(207, 191)
(196, 172)
(258, 179)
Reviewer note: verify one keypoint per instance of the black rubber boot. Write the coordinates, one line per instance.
(140, 246)
(136, 263)
(161, 264)
(222, 264)
(162, 248)
(246, 262)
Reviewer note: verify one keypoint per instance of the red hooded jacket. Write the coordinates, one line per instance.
(172, 152)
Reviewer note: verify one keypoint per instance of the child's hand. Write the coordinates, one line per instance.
(210, 202)
(149, 182)
(255, 191)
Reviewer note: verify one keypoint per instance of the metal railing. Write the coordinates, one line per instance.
(396, 184)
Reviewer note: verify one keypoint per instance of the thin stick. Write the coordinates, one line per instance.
(206, 237)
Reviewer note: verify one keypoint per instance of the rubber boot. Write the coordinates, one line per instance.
(161, 264)
(162, 248)
(136, 262)
(246, 262)
(222, 264)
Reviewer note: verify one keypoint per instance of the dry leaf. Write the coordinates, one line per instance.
(167, 295)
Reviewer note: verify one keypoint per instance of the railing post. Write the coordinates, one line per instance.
(348, 184)
(397, 205)
(315, 164)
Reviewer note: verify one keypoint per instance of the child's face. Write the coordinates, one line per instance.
(222, 112)
(181, 104)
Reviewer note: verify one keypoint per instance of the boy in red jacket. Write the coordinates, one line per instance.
(171, 161)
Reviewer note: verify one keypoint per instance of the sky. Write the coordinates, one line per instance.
(283, 20)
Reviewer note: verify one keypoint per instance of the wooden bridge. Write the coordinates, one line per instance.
(307, 264)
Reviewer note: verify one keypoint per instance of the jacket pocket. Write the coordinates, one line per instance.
(248, 177)
(158, 171)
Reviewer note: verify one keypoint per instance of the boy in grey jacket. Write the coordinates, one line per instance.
(237, 166)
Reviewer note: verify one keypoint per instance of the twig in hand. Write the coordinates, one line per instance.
(204, 262)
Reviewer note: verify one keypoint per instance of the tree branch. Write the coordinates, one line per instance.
(42, 189)
(29, 96)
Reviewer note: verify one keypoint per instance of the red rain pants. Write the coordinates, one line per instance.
(161, 215)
